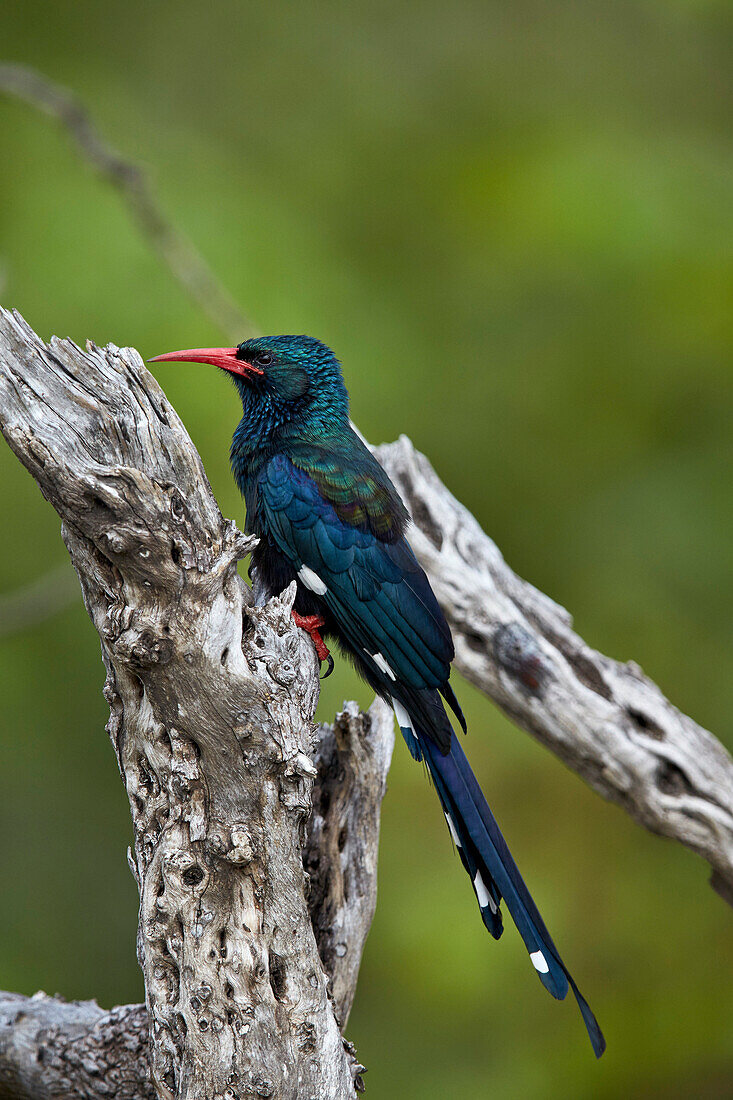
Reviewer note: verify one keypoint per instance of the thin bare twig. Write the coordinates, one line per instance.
(56, 589)
(35, 602)
(185, 262)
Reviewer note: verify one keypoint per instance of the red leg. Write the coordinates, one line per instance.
(312, 624)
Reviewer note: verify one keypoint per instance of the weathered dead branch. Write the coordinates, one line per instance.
(211, 704)
(606, 720)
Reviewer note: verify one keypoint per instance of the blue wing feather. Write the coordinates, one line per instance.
(377, 590)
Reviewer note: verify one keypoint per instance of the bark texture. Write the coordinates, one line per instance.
(606, 720)
(353, 759)
(211, 703)
(52, 1050)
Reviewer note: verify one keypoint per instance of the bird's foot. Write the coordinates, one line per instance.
(312, 625)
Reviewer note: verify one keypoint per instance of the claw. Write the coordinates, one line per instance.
(312, 624)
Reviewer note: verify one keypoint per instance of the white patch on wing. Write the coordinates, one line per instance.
(403, 718)
(380, 662)
(312, 580)
(453, 832)
(483, 895)
(539, 962)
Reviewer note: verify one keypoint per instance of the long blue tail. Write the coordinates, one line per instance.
(488, 861)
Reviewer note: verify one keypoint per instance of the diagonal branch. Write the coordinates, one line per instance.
(606, 720)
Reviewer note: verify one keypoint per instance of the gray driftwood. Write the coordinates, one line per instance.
(52, 1050)
(606, 720)
(211, 704)
(341, 854)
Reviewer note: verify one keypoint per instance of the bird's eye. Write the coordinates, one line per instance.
(263, 358)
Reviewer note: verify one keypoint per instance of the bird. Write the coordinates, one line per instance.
(328, 517)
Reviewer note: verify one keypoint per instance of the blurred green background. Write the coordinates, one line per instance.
(514, 223)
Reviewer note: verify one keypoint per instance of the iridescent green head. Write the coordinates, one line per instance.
(287, 376)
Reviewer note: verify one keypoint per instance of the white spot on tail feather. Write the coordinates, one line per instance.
(312, 580)
(380, 662)
(403, 718)
(483, 895)
(539, 962)
(453, 833)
